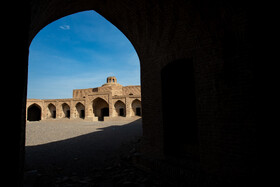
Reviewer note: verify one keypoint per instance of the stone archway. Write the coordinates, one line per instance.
(51, 113)
(120, 109)
(34, 112)
(136, 108)
(65, 110)
(80, 110)
(100, 108)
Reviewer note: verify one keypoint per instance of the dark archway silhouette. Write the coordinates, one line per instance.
(34, 113)
(215, 34)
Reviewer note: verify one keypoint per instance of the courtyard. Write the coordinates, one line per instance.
(77, 152)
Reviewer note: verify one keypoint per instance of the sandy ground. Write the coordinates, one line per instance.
(85, 154)
(43, 132)
(64, 148)
(76, 145)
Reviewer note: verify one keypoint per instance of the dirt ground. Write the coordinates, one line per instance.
(49, 131)
(80, 153)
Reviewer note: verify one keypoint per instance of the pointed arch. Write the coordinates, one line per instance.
(136, 107)
(80, 108)
(100, 108)
(65, 110)
(51, 113)
(120, 109)
(34, 112)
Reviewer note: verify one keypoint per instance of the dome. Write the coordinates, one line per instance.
(112, 80)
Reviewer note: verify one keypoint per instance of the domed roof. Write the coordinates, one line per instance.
(111, 81)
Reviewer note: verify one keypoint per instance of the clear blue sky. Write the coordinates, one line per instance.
(79, 51)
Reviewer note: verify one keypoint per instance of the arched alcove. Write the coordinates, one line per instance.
(34, 112)
(136, 107)
(80, 108)
(51, 112)
(100, 108)
(120, 108)
(65, 110)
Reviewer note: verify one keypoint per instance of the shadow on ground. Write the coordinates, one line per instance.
(83, 158)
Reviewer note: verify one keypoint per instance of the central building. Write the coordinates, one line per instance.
(108, 102)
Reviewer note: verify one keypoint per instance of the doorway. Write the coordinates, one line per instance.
(104, 112)
(82, 114)
(121, 112)
(34, 113)
(68, 114)
(138, 111)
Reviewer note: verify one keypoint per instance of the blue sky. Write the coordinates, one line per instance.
(79, 51)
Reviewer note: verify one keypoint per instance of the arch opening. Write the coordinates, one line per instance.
(87, 108)
(58, 59)
(120, 108)
(100, 108)
(80, 108)
(51, 111)
(136, 108)
(66, 110)
(34, 113)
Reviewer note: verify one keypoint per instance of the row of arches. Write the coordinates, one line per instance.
(100, 109)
